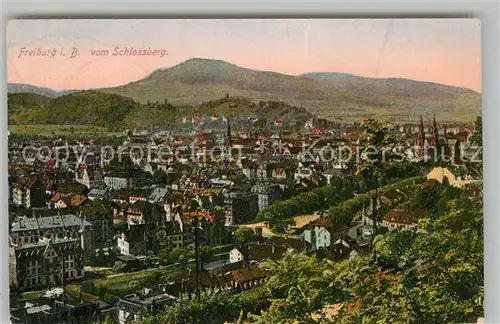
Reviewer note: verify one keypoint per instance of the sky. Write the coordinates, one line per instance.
(446, 51)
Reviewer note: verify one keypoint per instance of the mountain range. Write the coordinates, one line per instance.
(332, 96)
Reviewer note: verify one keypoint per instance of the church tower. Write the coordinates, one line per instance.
(421, 137)
(435, 135)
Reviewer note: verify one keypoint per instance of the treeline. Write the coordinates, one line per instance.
(93, 108)
(339, 198)
(309, 202)
(343, 213)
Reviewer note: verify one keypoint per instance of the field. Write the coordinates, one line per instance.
(57, 130)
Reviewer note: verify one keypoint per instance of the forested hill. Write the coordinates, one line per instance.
(113, 111)
(82, 108)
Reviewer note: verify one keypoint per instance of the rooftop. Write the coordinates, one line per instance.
(48, 222)
(147, 296)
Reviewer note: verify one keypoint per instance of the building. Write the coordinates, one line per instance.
(133, 307)
(321, 233)
(48, 262)
(97, 194)
(241, 207)
(28, 231)
(395, 219)
(101, 221)
(29, 192)
(91, 177)
(133, 241)
(158, 196)
(125, 179)
(235, 256)
(267, 194)
(58, 202)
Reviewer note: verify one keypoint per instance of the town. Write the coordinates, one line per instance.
(122, 229)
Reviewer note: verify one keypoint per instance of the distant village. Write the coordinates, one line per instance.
(92, 236)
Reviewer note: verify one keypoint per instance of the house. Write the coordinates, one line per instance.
(58, 202)
(132, 308)
(143, 212)
(91, 177)
(126, 179)
(129, 263)
(262, 251)
(247, 278)
(395, 219)
(133, 241)
(321, 233)
(392, 197)
(101, 220)
(29, 192)
(97, 194)
(241, 207)
(158, 196)
(80, 201)
(49, 262)
(31, 230)
(266, 194)
(71, 188)
(341, 248)
(289, 242)
(235, 256)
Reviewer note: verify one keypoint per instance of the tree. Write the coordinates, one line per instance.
(108, 320)
(159, 176)
(243, 234)
(378, 141)
(297, 283)
(476, 144)
(426, 199)
(120, 227)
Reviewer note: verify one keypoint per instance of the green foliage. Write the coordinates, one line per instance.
(436, 275)
(120, 227)
(343, 213)
(308, 202)
(159, 176)
(213, 309)
(243, 234)
(100, 109)
(297, 286)
(427, 199)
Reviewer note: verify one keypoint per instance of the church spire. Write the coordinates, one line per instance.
(421, 136)
(422, 131)
(435, 129)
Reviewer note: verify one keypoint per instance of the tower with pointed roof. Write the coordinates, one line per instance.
(435, 135)
(421, 137)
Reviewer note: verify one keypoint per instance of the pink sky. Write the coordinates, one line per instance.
(445, 51)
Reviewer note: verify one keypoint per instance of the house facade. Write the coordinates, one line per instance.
(49, 262)
(29, 192)
(321, 233)
(399, 219)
